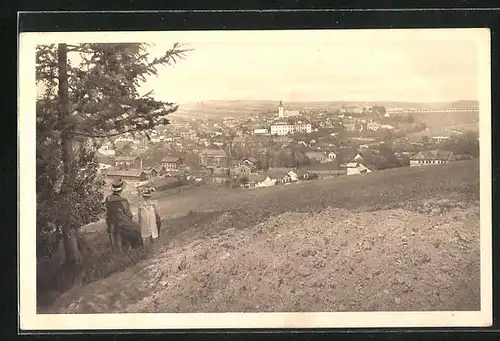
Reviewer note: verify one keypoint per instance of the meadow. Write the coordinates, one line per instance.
(203, 215)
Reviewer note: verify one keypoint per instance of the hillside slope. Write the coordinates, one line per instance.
(403, 239)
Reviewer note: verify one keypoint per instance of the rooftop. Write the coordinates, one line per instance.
(126, 158)
(125, 173)
(444, 155)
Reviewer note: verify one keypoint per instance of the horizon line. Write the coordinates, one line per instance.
(324, 101)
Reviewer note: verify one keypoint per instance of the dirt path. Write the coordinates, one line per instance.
(421, 256)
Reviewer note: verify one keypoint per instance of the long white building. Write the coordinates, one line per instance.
(282, 128)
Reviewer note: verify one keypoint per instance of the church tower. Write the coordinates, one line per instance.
(281, 111)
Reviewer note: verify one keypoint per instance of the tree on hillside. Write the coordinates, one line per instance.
(388, 157)
(379, 110)
(467, 144)
(284, 158)
(83, 103)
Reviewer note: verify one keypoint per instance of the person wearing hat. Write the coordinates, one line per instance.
(122, 228)
(149, 219)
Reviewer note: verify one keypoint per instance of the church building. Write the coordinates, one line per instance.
(282, 113)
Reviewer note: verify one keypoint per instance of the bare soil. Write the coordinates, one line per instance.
(403, 239)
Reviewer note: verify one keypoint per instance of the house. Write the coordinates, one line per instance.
(279, 177)
(440, 138)
(291, 172)
(319, 157)
(128, 162)
(260, 180)
(350, 126)
(373, 126)
(326, 169)
(294, 175)
(151, 172)
(250, 162)
(131, 174)
(240, 171)
(261, 131)
(431, 157)
(220, 175)
(356, 168)
(160, 170)
(366, 156)
(171, 163)
(213, 158)
(285, 128)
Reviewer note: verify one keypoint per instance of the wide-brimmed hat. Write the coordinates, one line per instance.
(147, 192)
(117, 185)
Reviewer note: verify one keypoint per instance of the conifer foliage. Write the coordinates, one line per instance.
(90, 93)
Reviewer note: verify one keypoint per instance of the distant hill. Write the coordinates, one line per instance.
(240, 108)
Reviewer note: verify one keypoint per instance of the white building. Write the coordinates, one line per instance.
(373, 126)
(282, 128)
(356, 168)
(261, 131)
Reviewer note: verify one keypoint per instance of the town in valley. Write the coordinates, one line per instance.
(289, 143)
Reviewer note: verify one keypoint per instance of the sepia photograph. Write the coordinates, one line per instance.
(231, 179)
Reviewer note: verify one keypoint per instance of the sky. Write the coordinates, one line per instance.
(425, 65)
(418, 69)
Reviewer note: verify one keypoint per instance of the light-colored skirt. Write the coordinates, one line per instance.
(147, 221)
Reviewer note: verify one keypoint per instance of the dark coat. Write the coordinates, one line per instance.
(120, 217)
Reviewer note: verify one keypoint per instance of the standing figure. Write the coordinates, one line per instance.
(149, 219)
(122, 229)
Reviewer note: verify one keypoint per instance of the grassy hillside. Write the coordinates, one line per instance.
(373, 191)
(354, 243)
(202, 212)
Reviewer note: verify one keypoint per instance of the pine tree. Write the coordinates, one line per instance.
(83, 103)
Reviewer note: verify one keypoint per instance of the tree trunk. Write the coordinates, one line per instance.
(72, 254)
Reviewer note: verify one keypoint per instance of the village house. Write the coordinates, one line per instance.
(240, 171)
(213, 158)
(279, 177)
(261, 131)
(137, 175)
(220, 175)
(356, 168)
(373, 126)
(366, 156)
(431, 157)
(325, 170)
(160, 170)
(259, 180)
(128, 162)
(349, 126)
(321, 157)
(440, 138)
(249, 161)
(151, 172)
(171, 163)
(291, 172)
